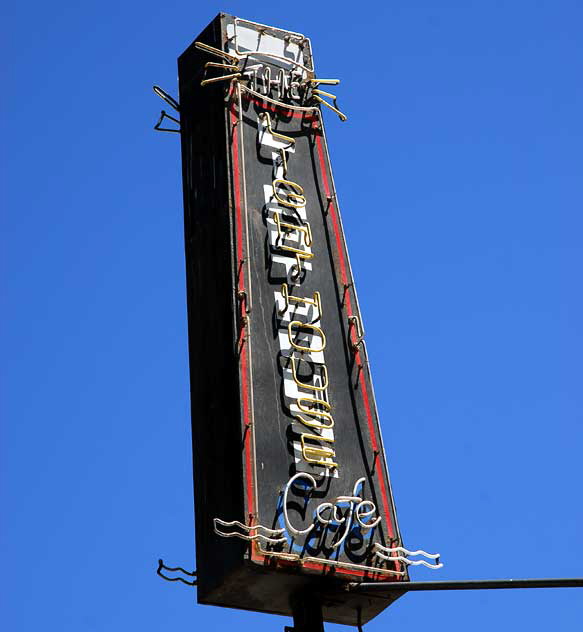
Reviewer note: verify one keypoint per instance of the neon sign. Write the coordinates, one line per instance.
(290, 471)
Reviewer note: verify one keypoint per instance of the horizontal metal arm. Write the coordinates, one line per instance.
(470, 584)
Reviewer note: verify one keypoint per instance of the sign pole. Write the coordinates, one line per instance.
(307, 613)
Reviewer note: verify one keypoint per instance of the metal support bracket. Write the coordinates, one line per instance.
(468, 584)
(163, 115)
(173, 103)
(354, 321)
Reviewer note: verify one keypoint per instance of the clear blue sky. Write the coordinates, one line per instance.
(459, 177)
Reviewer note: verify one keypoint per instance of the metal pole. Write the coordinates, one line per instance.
(471, 584)
(307, 613)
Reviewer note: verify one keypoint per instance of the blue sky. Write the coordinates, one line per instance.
(459, 180)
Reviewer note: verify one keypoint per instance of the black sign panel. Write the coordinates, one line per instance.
(291, 485)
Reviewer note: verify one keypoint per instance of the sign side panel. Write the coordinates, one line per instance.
(215, 405)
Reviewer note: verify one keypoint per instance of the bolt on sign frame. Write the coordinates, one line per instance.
(291, 486)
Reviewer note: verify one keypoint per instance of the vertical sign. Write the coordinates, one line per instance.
(291, 484)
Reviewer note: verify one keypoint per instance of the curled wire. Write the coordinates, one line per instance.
(238, 61)
(386, 553)
(162, 566)
(248, 529)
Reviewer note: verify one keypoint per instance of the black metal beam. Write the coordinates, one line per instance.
(470, 584)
